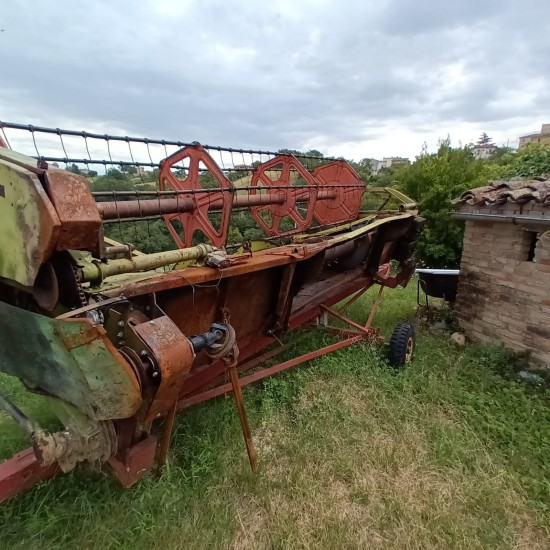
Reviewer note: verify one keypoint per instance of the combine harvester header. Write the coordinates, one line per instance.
(116, 339)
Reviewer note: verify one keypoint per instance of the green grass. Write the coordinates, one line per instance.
(445, 454)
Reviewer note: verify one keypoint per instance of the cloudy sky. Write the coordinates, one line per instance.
(358, 78)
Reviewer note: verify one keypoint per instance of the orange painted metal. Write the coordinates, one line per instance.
(239, 402)
(22, 471)
(342, 178)
(202, 202)
(76, 208)
(174, 355)
(149, 207)
(135, 462)
(263, 178)
(119, 210)
(261, 294)
(46, 231)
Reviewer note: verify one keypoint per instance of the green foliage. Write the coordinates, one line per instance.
(501, 155)
(234, 235)
(484, 139)
(433, 180)
(131, 170)
(388, 177)
(113, 180)
(530, 161)
(73, 168)
(444, 454)
(147, 236)
(363, 168)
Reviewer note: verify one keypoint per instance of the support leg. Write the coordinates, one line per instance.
(167, 435)
(375, 307)
(237, 391)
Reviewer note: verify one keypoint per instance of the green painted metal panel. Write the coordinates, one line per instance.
(69, 360)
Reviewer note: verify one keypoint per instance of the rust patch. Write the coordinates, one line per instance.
(76, 208)
(174, 355)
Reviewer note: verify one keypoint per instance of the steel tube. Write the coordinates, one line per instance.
(147, 141)
(25, 423)
(149, 207)
(97, 271)
(113, 210)
(245, 426)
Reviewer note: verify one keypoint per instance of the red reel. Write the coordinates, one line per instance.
(289, 195)
(345, 207)
(221, 196)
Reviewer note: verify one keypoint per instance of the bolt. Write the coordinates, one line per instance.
(120, 334)
(155, 374)
(121, 323)
(143, 353)
(121, 342)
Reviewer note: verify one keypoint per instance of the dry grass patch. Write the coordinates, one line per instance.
(445, 454)
(354, 480)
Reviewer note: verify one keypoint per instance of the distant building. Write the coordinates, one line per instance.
(542, 137)
(375, 166)
(390, 162)
(484, 150)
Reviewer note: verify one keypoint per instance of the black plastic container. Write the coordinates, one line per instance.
(439, 283)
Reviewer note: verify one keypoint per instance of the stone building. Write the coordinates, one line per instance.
(390, 162)
(504, 284)
(484, 150)
(540, 137)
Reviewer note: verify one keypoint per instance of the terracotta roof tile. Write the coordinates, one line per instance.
(500, 192)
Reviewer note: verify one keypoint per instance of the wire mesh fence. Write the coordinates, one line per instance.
(123, 168)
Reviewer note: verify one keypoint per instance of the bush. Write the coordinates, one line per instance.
(433, 180)
(530, 161)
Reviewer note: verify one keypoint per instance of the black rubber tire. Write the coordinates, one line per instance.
(400, 351)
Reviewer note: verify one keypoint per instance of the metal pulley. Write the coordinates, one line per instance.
(203, 201)
(286, 168)
(340, 178)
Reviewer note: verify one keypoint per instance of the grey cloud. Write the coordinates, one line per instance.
(274, 75)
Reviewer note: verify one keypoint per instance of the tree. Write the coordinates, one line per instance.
(433, 180)
(234, 236)
(113, 180)
(128, 169)
(363, 168)
(73, 168)
(146, 236)
(484, 139)
(530, 161)
(501, 155)
(115, 174)
(388, 177)
(366, 164)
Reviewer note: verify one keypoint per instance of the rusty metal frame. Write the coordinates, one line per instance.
(295, 284)
(24, 470)
(361, 333)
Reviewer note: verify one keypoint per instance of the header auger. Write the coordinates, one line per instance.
(114, 339)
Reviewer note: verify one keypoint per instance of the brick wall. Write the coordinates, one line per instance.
(504, 287)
